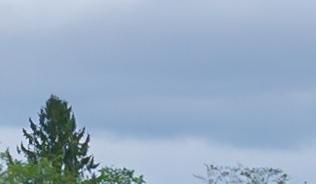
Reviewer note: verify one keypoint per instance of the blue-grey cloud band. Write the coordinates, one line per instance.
(237, 72)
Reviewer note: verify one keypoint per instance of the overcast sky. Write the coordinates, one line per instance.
(165, 86)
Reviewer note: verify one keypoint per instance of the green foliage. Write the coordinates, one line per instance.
(28, 173)
(109, 175)
(44, 172)
(56, 139)
(119, 176)
(57, 153)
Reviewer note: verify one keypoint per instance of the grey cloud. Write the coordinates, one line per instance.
(224, 70)
(262, 122)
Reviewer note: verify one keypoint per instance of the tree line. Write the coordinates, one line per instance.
(57, 152)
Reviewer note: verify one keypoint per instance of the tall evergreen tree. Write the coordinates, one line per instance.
(57, 139)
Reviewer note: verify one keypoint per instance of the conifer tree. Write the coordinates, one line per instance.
(57, 139)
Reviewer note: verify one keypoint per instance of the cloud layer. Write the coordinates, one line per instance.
(236, 72)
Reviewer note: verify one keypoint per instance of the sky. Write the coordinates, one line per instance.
(166, 86)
